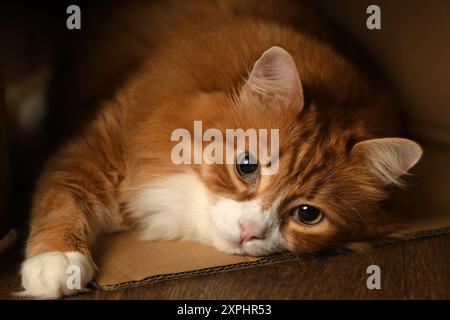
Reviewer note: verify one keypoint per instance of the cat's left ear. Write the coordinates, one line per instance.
(275, 76)
(389, 158)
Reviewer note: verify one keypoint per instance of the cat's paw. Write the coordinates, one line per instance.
(55, 274)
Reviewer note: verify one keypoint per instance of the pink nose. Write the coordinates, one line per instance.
(250, 231)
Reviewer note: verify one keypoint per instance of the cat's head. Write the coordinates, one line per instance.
(330, 178)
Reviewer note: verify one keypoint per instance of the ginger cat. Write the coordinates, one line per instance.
(229, 64)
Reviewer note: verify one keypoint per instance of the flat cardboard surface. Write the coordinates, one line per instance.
(124, 260)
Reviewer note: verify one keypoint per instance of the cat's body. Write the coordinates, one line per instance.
(200, 64)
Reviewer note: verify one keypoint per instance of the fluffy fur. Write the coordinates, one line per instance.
(45, 276)
(231, 64)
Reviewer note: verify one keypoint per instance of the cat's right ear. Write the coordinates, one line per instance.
(389, 158)
(275, 76)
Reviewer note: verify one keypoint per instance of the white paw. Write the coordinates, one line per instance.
(55, 274)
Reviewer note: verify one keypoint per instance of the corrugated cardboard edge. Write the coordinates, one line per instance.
(268, 260)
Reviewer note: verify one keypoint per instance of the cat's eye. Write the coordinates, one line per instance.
(307, 214)
(247, 167)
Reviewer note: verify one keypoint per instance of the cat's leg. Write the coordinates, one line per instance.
(71, 208)
(76, 200)
(63, 228)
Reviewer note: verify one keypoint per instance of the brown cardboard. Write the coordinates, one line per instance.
(124, 260)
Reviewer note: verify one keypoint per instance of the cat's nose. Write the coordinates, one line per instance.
(250, 230)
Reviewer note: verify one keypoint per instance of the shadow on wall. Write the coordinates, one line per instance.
(412, 49)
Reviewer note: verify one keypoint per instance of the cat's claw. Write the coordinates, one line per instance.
(53, 275)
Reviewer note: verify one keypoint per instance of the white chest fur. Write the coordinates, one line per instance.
(172, 208)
